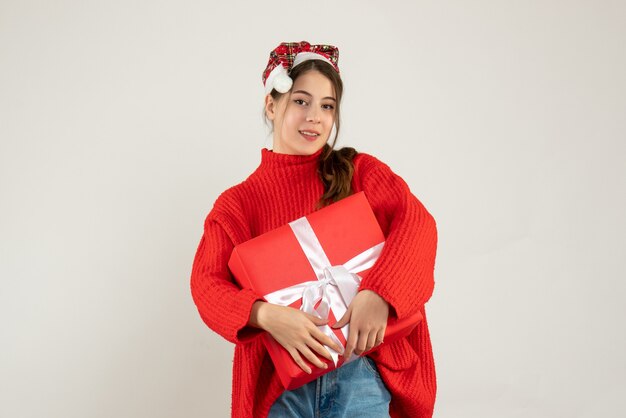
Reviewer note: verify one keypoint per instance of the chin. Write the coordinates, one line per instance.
(313, 148)
(301, 147)
(307, 148)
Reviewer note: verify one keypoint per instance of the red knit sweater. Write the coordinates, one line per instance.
(286, 187)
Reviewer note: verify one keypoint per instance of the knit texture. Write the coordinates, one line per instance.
(284, 188)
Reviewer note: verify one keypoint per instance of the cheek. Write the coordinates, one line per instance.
(294, 118)
(329, 121)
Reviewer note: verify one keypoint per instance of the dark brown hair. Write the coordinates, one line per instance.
(335, 167)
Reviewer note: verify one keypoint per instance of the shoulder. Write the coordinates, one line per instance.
(367, 166)
(379, 181)
(226, 200)
(366, 162)
(229, 210)
(233, 200)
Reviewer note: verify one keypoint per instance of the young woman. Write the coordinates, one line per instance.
(301, 174)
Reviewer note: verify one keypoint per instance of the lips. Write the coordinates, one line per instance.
(309, 137)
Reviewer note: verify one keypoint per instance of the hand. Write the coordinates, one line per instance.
(298, 332)
(367, 315)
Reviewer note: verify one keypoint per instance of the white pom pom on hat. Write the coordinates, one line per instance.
(289, 54)
(281, 81)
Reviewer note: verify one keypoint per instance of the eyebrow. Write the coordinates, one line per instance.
(309, 94)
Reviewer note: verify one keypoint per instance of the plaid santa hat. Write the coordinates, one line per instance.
(289, 54)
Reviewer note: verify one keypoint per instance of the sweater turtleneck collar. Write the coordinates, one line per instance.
(271, 160)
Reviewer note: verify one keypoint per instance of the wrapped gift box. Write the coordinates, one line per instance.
(315, 264)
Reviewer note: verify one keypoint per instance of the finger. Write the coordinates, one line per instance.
(380, 336)
(361, 343)
(371, 340)
(313, 359)
(352, 339)
(326, 340)
(344, 319)
(298, 359)
(319, 348)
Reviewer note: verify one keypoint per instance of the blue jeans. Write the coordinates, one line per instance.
(353, 390)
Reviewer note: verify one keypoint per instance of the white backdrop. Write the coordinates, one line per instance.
(121, 122)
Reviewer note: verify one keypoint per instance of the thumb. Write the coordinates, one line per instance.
(344, 319)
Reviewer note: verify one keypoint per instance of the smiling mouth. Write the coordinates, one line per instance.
(309, 136)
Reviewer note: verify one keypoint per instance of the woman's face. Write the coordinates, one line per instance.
(311, 109)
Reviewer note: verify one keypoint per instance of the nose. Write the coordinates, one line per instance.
(313, 115)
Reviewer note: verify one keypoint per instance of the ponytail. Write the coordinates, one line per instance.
(335, 170)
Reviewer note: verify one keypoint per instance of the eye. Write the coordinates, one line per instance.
(298, 100)
(329, 107)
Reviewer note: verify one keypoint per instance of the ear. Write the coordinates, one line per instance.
(270, 107)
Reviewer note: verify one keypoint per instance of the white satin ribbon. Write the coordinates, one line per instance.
(335, 286)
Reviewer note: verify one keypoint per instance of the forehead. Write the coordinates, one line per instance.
(314, 83)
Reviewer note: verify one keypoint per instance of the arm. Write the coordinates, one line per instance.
(401, 281)
(403, 275)
(222, 304)
(240, 315)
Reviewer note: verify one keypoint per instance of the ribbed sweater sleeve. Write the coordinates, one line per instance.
(404, 273)
(222, 304)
